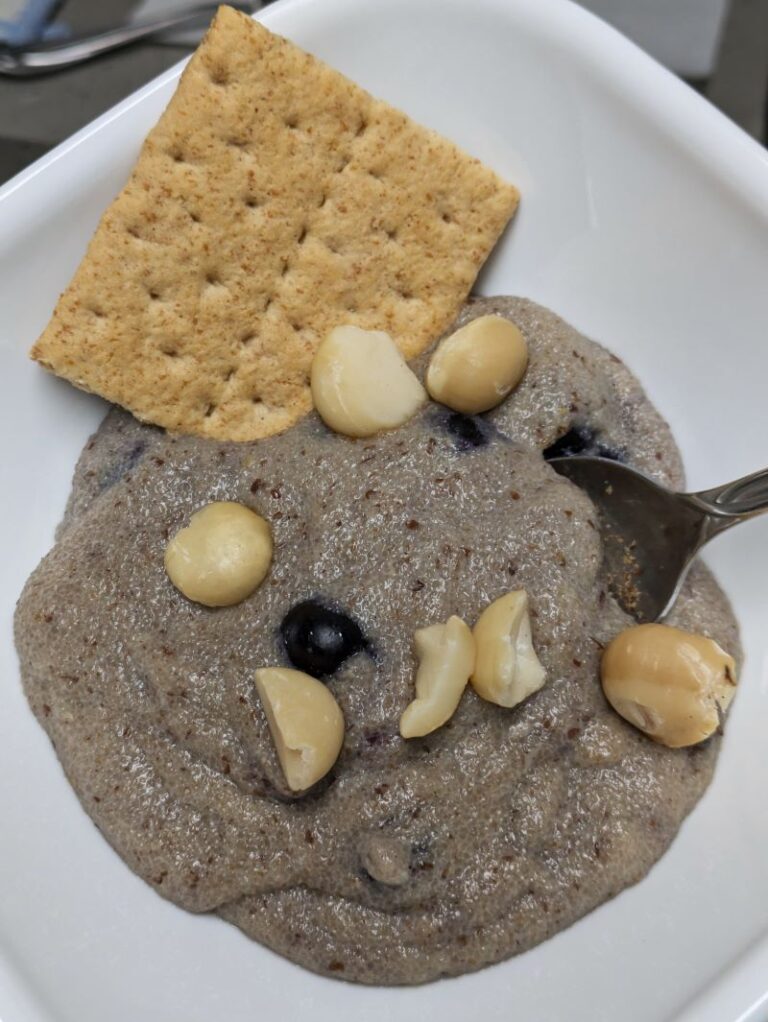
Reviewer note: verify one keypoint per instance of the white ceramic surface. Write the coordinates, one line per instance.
(645, 222)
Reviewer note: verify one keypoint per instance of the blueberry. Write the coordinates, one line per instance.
(128, 460)
(603, 451)
(468, 431)
(581, 440)
(318, 639)
(422, 856)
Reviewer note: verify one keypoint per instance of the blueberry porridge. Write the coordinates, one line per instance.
(488, 828)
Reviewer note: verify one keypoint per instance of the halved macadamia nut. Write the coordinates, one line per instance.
(222, 556)
(361, 384)
(475, 368)
(446, 655)
(672, 685)
(305, 721)
(507, 669)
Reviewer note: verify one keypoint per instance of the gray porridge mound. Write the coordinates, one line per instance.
(411, 860)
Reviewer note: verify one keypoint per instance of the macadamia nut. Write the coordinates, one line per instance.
(221, 556)
(361, 384)
(672, 685)
(305, 721)
(507, 669)
(475, 368)
(446, 655)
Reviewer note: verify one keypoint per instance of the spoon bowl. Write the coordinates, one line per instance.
(651, 534)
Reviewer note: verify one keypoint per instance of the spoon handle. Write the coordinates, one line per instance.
(731, 503)
(43, 57)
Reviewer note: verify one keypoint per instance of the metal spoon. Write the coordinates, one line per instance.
(651, 534)
(42, 58)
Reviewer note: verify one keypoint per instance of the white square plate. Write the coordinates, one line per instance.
(645, 222)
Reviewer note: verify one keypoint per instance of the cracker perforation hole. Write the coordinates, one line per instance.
(169, 352)
(154, 294)
(302, 235)
(237, 143)
(176, 155)
(251, 202)
(323, 200)
(292, 122)
(446, 218)
(134, 232)
(212, 279)
(361, 128)
(256, 400)
(391, 233)
(97, 312)
(229, 374)
(375, 174)
(194, 217)
(342, 164)
(285, 267)
(211, 408)
(247, 339)
(403, 293)
(219, 75)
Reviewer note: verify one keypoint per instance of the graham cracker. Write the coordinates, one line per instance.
(273, 201)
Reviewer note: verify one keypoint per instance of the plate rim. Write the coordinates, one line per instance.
(731, 157)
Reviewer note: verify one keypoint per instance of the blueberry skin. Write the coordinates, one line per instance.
(468, 431)
(581, 440)
(128, 462)
(319, 639)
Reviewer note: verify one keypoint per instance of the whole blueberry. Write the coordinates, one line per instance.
(318, 639)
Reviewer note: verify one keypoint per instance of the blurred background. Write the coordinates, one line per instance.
(720, 47)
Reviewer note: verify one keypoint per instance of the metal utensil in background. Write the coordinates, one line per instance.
(44, 57)
(651, 534)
